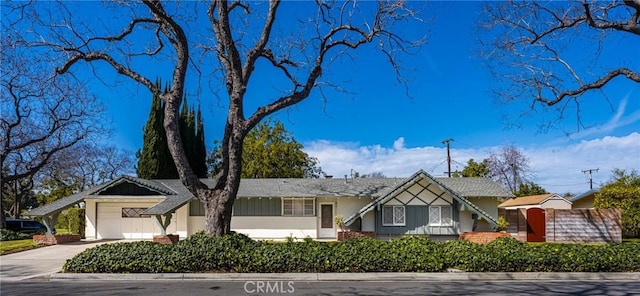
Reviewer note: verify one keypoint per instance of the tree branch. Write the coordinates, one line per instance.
(602, 81)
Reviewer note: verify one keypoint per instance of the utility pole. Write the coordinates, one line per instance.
(590, 171)
(446, 141)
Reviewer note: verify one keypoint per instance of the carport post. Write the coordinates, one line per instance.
(164, 224)
(50, 221)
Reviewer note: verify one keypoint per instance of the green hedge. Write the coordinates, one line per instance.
(9, 235)
(238, 253)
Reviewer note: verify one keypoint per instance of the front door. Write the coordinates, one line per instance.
(327, 228)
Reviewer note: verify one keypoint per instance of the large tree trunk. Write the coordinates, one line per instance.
(217, 209)
(218, 202)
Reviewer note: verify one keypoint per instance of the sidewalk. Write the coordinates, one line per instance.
(377, 276)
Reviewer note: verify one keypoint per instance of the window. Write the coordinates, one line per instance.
(298, 206)
(440, 216)
(196, 208)
(132, 212)
(393, 216)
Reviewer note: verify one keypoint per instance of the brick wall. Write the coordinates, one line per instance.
(483, 237)
(48, 240)
(166, 239)
(345, 235)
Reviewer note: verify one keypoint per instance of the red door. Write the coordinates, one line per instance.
(536, 231)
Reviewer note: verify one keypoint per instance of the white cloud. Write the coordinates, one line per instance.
(398, 144)
(616, 121)
(558, 168)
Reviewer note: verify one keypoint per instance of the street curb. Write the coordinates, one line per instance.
(332, 277)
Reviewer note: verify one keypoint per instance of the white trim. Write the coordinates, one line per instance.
(440, 222)
(323, 232)
(393, 216)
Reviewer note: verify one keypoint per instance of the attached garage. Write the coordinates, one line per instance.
(123, 221)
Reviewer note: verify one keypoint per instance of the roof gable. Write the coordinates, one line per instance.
(127, 185)
(415, 178)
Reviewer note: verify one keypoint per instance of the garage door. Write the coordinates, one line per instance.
(122, 221)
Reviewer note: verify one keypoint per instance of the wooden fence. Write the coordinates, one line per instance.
(570, 226)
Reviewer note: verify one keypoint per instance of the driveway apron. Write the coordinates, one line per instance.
(40, 263)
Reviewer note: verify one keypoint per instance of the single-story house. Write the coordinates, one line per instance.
(584, 200)
(134, 208)
(545, 201)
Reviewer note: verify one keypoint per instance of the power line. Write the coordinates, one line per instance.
(561, 184)
(590, 171)
(435, 167)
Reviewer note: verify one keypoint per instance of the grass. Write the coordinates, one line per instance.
(631, 240)
(8, 247)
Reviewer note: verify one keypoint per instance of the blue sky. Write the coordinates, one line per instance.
(377, 127)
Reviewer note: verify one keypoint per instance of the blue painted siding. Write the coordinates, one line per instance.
(416, 222)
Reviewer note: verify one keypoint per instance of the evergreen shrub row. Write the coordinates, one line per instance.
(238, 253)
(9, 235)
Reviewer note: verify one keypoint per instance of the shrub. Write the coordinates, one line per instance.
(9, 235)
(238, 253)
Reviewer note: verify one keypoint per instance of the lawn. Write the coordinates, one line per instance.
(8, 247)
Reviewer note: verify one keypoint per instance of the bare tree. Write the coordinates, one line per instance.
(87, 165)
(42, 115)
(242, 34)
(532, 46)
(79, 168)
(509, 167)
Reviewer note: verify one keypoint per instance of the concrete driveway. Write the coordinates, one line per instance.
(41, 262)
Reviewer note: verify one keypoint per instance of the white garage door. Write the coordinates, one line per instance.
(119, 221)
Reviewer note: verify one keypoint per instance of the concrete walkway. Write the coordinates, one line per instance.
(42, 262)
(370, 276)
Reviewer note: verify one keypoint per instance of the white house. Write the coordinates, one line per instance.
(134, 208)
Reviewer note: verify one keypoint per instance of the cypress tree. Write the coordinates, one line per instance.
(154, 159)
(201, 151)
(150, 154)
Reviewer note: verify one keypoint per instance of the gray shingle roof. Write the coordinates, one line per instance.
(92, 193)
(475, 187)
(176, 194)
(56, 206)
(371, 188)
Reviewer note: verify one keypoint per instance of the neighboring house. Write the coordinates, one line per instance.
(134, 208)
(584, 200)
(549, 200)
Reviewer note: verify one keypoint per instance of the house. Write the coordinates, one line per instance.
(134, 208)
(584, 200)
(548, 200)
